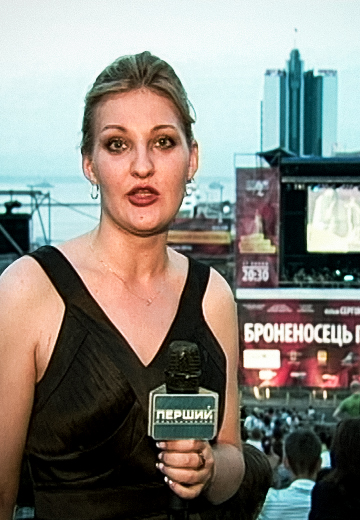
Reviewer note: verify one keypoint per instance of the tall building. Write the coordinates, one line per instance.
(300, 109)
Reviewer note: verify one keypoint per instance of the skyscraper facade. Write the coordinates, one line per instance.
(300, 109)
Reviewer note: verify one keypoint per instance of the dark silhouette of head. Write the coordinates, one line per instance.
(346, 450)
(302, 450)
(355, 387)
(256, 434)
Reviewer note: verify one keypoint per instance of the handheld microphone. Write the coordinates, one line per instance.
(181, 409)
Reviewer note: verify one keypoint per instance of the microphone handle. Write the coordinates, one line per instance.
(182, 377)
(178, 507)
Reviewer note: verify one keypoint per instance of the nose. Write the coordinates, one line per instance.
(142, 165)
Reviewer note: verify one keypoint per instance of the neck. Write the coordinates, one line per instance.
(306, 476)
(132, 255)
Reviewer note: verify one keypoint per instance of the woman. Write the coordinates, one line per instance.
(87, 326)
(336, 495)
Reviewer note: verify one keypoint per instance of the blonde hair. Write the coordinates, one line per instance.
(132, 72)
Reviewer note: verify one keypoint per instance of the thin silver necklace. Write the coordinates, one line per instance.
(148, 301)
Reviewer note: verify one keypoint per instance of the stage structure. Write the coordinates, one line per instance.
(297, 271)
(20, 207)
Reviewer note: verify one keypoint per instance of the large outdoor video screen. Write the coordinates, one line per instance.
(333, 219)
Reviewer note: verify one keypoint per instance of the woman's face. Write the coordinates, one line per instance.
(141, 160)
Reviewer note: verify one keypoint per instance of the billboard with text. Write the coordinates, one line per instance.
(257, 227)
(312, 343)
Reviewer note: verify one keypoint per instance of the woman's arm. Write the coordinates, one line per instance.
(192, 467)
(24, 321)
(221, 315)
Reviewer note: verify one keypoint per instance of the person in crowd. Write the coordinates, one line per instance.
(311, 413)
(267, 425)
(243, 430)
(254, 420)
(268, 421)
(255, 438)
(326, 441)
(273, 458)
(293, 420)
(302, 456)
(283, 475)
(336, 495)
(349, 407)
(277, 436)
(284, 414)
(86, 328)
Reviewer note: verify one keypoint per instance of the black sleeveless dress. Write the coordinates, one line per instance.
(88, 449)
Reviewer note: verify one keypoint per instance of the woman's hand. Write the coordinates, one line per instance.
(188, 466)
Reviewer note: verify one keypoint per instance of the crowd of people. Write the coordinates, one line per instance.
(310, 276)
(315, 471)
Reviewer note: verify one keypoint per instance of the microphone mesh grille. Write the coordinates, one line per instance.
(184, 372)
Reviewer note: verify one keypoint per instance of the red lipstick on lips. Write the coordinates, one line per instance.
(143, 195)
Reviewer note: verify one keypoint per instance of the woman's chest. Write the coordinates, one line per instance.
(143, 325)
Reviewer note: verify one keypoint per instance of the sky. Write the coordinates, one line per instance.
(51, 52)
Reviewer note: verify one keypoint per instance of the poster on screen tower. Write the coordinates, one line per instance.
(306, 343)
(257, 227)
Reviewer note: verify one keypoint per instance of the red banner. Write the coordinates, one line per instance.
(311, 343)
(257, 227)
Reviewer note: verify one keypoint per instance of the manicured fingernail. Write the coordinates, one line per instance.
(168, 481)
(160, 466)
(160, 445)
(160, 456)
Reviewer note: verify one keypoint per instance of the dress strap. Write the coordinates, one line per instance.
(202, 274)
(61, 273)
(190, 314)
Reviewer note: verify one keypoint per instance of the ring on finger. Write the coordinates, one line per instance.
(202, 460)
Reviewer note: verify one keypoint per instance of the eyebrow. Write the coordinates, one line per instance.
(115, 127)
(123, 129)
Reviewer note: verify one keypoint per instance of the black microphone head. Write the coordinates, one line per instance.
(183, 374)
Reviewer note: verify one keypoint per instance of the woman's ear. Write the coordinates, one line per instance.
(88, 169)
(193, 160)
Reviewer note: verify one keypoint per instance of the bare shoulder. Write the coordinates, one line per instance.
(218, 286)
(24, 281)
(23, 289)
(179, 267)
(221, 313)
(219, 297)
(178, 260)
(30, 316)
(31, 301)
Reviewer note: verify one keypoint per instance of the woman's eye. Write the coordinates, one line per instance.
(165, 142)
(116, 145)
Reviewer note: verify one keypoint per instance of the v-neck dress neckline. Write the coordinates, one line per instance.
(99, 311)
(80, 303)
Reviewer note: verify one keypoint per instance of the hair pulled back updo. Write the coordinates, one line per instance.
(132, 72)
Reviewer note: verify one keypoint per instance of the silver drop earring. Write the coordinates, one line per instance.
(94, 191)
(189, 188)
